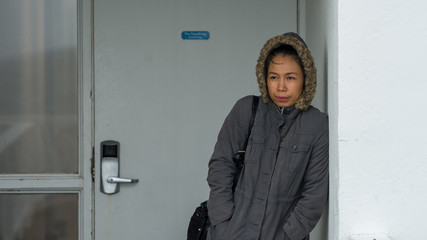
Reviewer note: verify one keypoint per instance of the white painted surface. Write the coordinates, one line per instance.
(315, 37)
(369, 237)
(377, 110)
(317, 30)
(321, 36)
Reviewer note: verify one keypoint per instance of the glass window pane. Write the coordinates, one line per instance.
(38, 93)
(39, 216)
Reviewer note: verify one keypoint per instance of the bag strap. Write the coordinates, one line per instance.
(239, 158)
(255, 102)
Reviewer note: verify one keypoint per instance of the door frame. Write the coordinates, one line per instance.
(86, 117)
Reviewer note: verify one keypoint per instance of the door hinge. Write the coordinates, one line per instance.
(92, 164)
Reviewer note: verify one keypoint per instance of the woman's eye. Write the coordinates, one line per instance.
(273, 77)
(291, 78)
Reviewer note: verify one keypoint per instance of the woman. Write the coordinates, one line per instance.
(283, 187)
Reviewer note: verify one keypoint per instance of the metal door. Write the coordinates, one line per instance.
(163, 99)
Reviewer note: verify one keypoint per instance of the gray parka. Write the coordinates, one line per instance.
(283, 187)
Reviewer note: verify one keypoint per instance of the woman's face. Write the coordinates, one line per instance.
(285, 80)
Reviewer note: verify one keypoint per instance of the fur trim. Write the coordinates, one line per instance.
(296, 42)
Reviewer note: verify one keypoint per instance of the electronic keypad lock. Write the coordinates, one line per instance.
(110, 168)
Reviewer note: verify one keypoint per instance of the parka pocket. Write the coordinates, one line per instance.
(293, 156)
(254, 149)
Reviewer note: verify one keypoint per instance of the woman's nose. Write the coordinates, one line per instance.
(282, 85)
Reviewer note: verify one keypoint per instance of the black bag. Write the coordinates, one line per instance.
(199, 222)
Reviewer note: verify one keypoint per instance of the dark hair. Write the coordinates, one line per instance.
(285, 50)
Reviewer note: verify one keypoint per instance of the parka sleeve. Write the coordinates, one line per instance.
(314, 196)
(221, 166)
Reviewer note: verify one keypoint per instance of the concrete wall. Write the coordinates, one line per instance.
(376, 87)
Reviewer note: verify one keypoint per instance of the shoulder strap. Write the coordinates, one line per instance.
(239, 157)
(251, 123)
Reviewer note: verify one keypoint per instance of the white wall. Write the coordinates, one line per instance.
(315, 35)
(320, 33)
(378, 110)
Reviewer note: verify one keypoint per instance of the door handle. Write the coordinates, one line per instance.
(110, 166)
(121, 180)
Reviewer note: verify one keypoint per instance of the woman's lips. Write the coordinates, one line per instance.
(282, 98)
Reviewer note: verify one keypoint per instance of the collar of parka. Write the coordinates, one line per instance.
(296, 42)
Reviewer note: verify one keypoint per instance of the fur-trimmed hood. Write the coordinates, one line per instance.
(299, 45)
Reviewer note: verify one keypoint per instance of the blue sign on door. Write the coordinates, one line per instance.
(195, 35)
